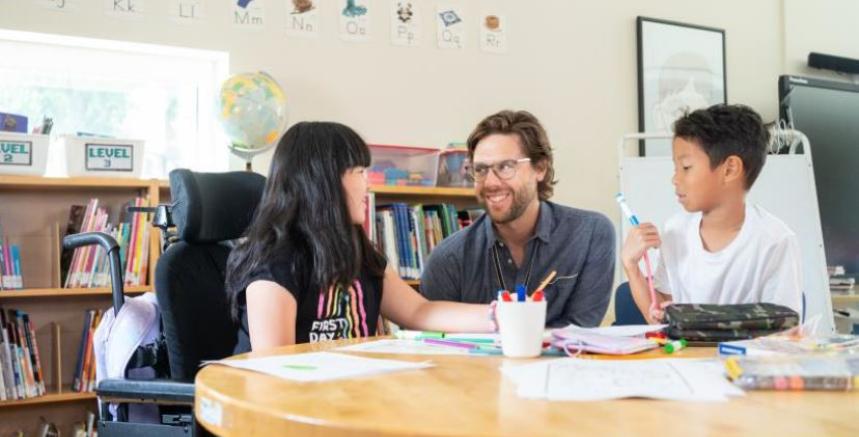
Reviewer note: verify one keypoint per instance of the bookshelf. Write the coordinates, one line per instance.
(34, 213)
(459, 197)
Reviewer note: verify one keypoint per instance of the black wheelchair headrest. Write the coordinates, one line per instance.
(212, 207)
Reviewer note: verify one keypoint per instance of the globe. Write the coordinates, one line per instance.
(252, 113)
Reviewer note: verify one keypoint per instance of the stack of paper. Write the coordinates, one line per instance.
(570, 379)
(320, 366)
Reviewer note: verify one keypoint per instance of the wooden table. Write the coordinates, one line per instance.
(464, 395)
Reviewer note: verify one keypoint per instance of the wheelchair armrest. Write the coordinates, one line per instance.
(151, 391)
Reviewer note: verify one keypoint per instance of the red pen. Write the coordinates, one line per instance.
(537, 296)
(506, 296)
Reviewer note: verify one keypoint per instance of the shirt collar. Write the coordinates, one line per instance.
(545, 224)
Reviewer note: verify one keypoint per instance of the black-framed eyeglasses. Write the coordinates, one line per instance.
(505, 169)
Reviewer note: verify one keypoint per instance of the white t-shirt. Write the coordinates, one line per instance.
(761, 264)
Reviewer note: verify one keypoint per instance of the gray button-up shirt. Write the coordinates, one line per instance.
(578, 244)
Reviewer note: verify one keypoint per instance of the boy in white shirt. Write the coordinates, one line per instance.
(722, 250)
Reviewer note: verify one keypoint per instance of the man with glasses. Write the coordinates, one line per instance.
(523, 236)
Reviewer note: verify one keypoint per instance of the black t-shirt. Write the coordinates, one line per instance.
(338, 312)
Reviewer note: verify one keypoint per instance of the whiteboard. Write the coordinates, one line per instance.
(785, 188)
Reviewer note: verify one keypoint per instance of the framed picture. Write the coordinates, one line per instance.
(681, 67)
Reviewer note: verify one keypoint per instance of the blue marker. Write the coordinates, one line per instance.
(520, 293)
(634, 220)
(625, 208)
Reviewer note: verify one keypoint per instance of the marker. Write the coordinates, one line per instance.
(634, 221)
(520, 293)
(675, 346)
(404, 334)
(451, 343)
(537, 296)
(505, 296)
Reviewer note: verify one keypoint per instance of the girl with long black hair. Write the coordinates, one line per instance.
(307, 271)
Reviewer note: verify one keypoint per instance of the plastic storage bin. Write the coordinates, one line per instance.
(103, 157)
(451, 169)
(403, 165)
(23, 154)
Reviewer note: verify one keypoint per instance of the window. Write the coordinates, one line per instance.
(163, 95)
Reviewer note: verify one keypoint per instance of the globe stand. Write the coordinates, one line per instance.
(246, 155)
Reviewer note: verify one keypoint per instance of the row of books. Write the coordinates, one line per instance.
(10, 264)
(406, 234)
(21, 375)
(89, 266)
(84, 377)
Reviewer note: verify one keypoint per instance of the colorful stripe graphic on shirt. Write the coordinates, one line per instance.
(340, 313)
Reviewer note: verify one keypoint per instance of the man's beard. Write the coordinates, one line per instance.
(520, 200)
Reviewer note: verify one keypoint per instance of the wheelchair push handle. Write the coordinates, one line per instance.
(110, 246)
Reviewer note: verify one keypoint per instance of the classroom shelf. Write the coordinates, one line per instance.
(50, 398)
(61, 292)
(422, 191)
(76, 182)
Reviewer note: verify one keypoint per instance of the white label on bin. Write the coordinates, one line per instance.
(109, 157)
(210, 412)
(16, 153)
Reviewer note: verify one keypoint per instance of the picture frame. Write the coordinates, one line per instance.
(681, 67)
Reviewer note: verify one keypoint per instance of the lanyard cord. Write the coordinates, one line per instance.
(500, 276)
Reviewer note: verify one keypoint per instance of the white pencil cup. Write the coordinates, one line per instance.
(521, 326)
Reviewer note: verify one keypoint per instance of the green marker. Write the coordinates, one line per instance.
(404, 334)
(675, 346)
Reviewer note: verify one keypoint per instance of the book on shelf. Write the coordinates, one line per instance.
(89, 266)
(84, 377)
(11, 277)
(21, 374)
(407, 234)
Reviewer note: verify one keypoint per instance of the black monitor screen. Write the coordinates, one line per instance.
(828, 113)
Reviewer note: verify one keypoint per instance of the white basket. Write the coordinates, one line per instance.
(23, 154)
(103, 157)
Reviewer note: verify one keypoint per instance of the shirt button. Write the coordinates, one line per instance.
(509, 261)
(501, 244)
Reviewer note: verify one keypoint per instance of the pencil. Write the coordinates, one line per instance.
(547, 280)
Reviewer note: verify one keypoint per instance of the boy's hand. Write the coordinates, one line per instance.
(658, 315)
(644, 236)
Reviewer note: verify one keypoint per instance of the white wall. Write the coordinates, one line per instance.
(571, 62)
(826, 26)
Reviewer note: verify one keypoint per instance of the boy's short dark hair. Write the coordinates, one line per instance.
(726, 130)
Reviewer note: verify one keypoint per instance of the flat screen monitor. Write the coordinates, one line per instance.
(828, 113)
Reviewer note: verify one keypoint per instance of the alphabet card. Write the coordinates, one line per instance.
(302, 18)
(248, 14)
(132, 9)
(58, 5)
(185, 11)
(355, 20)
(450, 27)
(493, 33)
(405, 23)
